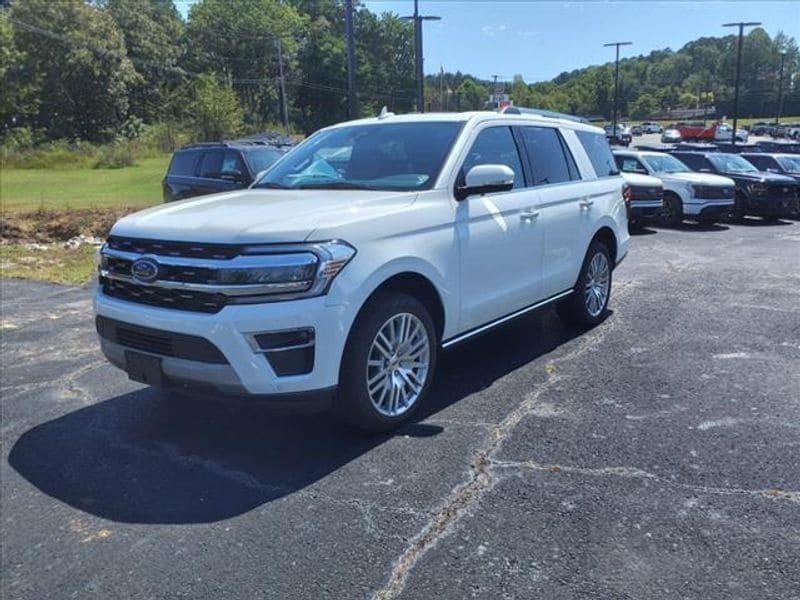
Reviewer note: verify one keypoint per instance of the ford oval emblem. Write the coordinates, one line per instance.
(145, 270)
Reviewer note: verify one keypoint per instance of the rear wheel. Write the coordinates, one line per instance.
(388, 363)
(673, 210)
(587, 304)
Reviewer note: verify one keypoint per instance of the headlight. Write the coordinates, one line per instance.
(296, 271)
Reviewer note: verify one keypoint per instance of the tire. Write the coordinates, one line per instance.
(378, 392)
(583, 308)
(673, 210)
(739, 208)
(707, 221)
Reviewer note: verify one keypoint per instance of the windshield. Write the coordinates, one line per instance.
(665, 163)
(789, 163)
(392, 156)
(262, 158)
(730, 163)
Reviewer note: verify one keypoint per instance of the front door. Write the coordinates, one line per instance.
(500, 238)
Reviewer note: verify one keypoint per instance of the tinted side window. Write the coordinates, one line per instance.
(762, 162)
(232, 163)
(546, 153)
(596, 146)
(692, 161)
(495, 146)
(629, 164)
(183, 163)
(211, 163)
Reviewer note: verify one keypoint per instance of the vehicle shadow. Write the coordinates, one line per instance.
(137, 458)
(759, 222)
(642, 230)
(695, 226)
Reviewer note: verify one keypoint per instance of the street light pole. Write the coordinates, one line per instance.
(616, 86)
(420, 76)
(741, 25)
(780, 88)
(352, 102)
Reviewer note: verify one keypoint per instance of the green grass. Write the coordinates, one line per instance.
(83, 187)
(57, 264)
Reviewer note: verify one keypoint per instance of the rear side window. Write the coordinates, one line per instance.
(232, 163)
(211, 164)
(183, 163)
(762, 162)
(549, 159)
(495, 146)
(596, 146)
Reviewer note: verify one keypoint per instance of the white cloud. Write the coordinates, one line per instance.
(492, 30)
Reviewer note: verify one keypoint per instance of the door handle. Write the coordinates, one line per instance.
(586, 203)
(528, 216)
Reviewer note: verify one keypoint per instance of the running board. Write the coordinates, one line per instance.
(501, 320)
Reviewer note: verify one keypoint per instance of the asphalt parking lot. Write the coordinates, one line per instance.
(655, 456)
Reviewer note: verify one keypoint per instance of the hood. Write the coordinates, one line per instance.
(258, 216)
(697, 178)
(764, 176)
(640, 180)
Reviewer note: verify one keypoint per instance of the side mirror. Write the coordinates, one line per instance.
(486, 179)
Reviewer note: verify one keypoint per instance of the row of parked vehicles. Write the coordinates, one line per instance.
(340, 273)
(700, 182)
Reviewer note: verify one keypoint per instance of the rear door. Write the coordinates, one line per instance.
(566, 204)
(499, 236)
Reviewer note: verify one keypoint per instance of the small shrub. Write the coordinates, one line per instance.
(116, 156)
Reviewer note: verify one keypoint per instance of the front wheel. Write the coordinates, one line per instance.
(587, 304)
(388, 365)
(673, 210)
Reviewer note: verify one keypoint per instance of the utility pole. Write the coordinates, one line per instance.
(616, 87)
(420, 76)
(352, 100)
(741, 25)
(780, 88)
(441, 88)
(282, 84)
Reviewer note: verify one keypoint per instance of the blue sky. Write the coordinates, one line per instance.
(539, 40)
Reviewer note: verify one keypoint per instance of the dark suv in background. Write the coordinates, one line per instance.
(212, 167)
(760, 193)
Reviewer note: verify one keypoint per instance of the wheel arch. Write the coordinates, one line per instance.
(606, 236)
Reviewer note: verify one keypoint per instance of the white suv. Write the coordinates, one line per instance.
(360, 254)
(700, 196)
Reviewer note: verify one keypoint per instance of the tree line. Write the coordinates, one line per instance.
(99, 69)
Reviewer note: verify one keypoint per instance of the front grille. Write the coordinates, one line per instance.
(166, 248)
(163, 297)
(714, 192)
(122, 266)
(782, 192)
(646, 193)
(157, 341)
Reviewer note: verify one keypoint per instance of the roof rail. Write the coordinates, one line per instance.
(522, 110)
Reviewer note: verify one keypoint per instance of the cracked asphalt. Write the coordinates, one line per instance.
(655, 456)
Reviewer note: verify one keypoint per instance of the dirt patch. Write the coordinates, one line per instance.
(49, 226)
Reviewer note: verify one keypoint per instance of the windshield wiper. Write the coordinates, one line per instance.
(272, 185)
(333, 185)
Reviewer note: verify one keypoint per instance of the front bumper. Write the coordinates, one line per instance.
(646, 210)
(707, 208)
(772, 207)
(247, 372)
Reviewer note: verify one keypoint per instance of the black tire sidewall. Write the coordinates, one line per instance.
(353, 404)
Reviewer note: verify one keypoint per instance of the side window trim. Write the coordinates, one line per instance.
(572, 166)
(528, 173)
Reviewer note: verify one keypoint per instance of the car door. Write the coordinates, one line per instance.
(499, 237)
(565, 205)
(211, 177)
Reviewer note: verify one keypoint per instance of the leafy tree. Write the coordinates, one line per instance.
(472, 95)
(73, 58)
(215, 110)
(152, 31)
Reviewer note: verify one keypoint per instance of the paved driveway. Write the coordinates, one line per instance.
(656, 456)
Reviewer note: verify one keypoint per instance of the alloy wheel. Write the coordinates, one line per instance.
(598, 282)
(398, 364)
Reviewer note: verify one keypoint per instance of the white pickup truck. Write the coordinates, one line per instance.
(363, 252)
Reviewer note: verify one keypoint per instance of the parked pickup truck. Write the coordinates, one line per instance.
(759, 193)
(341, 273)
(646, 199)
(719, 132)
(706, 198)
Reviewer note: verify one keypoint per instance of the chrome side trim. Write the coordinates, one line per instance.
(501, 320)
